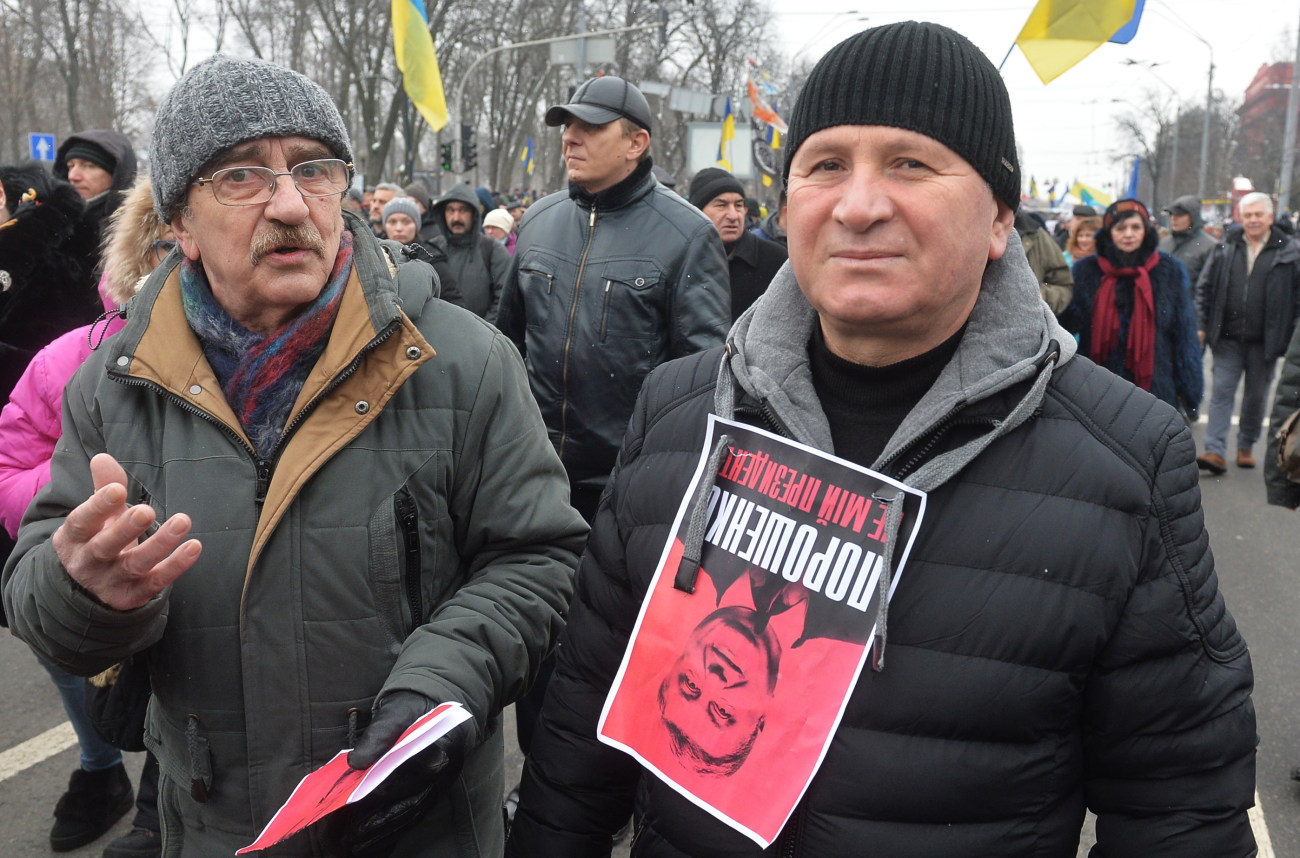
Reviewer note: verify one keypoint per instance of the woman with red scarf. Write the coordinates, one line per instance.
(1133, 310)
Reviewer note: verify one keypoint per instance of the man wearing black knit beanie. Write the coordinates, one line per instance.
(1057, 640)
(752, 262)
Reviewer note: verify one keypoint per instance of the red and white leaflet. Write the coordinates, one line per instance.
(336, 784)
(731, 692)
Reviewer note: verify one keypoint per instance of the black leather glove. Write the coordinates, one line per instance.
(378, 819)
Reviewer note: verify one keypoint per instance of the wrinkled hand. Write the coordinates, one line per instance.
(400, 800)
(99, 543)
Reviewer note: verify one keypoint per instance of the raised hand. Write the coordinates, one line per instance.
(99, 543)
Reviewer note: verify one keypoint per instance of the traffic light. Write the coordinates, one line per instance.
(469, 146)
(445, 150)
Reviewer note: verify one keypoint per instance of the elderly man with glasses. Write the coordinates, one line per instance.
(315, 499)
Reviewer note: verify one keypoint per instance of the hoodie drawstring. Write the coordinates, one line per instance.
(106, 317)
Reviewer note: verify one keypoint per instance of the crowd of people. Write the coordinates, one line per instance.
(313, 458)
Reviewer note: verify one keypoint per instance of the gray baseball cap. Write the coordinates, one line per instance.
(602, 100)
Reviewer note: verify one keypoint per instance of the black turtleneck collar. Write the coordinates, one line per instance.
(615, 196)
(865, 404)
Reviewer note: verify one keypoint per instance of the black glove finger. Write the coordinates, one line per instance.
(393, 713)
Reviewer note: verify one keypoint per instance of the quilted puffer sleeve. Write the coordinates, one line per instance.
(1169, 727)
(1281, 491)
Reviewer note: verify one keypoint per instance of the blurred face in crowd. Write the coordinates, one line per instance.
(263, 261)
(399, 227)
(727, 211)
(890, 232)
(89, 179)
(1179, 222)
(459, 217)
(1128, 232)
(600, 156)
(495, 233)
(1256, 220)
(378, 200)
(1086, 240)
(518, 214)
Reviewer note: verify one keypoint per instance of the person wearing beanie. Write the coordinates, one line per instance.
(100, 164)
(752, 262)
(1248, 303)
(498, 224)
(1187, 241)
(402, 219)
(1056, 639)
(310, 524)
(1133, 310)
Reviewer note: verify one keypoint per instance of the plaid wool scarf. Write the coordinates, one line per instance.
(261, 375)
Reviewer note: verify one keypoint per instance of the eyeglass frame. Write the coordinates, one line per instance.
(275, 181)
(158, 254)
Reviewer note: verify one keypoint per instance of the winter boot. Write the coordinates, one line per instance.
(93, 803)
(138, 843)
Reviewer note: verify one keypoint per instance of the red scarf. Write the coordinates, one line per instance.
(1140, 356)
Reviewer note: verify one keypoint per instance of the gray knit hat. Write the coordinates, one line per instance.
(226, 100)
(924, 78)
(402, 205)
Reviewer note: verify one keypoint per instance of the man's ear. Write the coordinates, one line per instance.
(185, 238)
(640, 143)
(1003, 222)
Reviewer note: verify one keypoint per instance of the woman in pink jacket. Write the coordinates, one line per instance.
(99, 791)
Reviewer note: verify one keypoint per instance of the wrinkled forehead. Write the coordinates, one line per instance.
(258, 153)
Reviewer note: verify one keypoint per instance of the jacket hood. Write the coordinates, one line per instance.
(113, 142)
(461, 193)
(128, 251)
(1191, 204)
(48, 219)
(1008, 338)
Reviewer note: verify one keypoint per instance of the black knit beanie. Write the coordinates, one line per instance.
(924, 78)
(711, 182)
(88, 150)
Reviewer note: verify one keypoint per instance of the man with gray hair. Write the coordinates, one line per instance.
(309, 525)
(1247, 298)
(384, 193)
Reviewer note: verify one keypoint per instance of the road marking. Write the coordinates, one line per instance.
(35, 750)
(1261, 829)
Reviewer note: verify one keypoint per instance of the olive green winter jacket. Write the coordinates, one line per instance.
(411, 532)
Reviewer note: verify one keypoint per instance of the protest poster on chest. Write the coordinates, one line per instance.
(740, 666)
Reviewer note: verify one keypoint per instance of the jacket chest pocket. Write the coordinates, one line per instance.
(632, 301)
(537, 283)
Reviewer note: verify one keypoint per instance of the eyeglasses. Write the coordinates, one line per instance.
(251, 186)
(162, 247)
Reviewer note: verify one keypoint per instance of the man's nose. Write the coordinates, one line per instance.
(286, 205)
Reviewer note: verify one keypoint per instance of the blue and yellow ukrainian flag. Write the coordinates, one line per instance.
(413, 46)
(526, 156)
(728, 134)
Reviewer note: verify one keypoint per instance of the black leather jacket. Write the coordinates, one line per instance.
(603, 288)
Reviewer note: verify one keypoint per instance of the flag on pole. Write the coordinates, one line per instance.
(1033, 188)
(1090, 195)
(761, 110)
(728, 134)
(526, 156)
(413, 47)
(1060, 33)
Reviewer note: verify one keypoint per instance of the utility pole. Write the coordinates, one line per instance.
(1205, 129)
(1288, 138)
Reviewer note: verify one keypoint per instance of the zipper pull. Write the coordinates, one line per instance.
(263, 482)
(591, 221)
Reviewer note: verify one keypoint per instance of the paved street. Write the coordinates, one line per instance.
(1257, 549)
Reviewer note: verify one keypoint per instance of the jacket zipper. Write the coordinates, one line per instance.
(408, 519)
(604, 315)
(568, 334)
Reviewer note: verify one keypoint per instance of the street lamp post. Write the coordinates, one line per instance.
(1288, 138)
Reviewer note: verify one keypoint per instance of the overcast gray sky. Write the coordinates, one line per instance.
(1066, 129)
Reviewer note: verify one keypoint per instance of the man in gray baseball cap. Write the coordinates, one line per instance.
(314, 527)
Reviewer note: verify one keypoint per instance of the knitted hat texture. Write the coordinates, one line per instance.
(226, 100)
(402, 205)
(711, 182)
(924, 78)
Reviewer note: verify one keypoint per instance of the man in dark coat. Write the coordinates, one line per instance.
(752, 262)
(1188, 242)
(1057, 640)
(1247, 298)
(478, 264)
(100, 165)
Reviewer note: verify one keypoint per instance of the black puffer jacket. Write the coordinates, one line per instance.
(1281, 299)
(603, 289)
(1056, 641)
(1281, 491)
